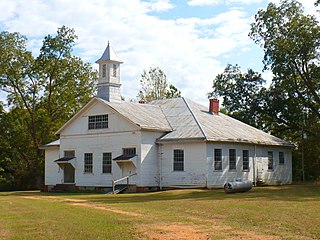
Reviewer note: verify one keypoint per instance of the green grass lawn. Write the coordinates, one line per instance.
(286, 212)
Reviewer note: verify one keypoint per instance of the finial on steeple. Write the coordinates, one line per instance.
(108, 42)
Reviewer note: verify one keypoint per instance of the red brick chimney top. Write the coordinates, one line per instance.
(214, 106)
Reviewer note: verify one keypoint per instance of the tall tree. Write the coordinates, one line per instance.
(43, 92)
(154, 85)
(291, 43)
(242, 93)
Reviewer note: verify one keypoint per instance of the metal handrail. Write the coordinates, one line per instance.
(121, 179)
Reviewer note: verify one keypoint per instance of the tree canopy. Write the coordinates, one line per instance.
(290, 106)
(43, 92)
(291, 43)
(154, 85)
(241, 92)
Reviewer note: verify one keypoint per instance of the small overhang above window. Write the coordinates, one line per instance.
(65, 160)
(126, 158)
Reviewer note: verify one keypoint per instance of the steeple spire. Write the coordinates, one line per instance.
(109, 76)
(109, 55)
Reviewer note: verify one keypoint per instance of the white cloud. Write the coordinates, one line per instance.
(186, 49)
(7, 10)
(159, 5)
(216, 2)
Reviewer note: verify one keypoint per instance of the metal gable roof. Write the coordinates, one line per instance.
(184, 120)
(181, 119)
(145, 116)
(190, 120)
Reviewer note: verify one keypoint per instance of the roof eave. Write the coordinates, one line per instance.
(49, 147)
(174, 140)
(155, 129)
(251, 142)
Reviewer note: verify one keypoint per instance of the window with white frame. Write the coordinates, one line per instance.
(129, 151)
(98, 121)
(69, 153)
(178, 160)
(107, 162)
(218, 159)
(88, 162)
(281, 158)
(232, 159)
(270, 160)
(245, 160)
(104, 70)
(114, 70)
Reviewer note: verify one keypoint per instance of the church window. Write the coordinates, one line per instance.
(98, 121)
(114, 70)
(104, 70)
(245, 160)
(232, 159)
(129, 151)
(69, 153)
(88, 162)
(270, 160)
(106, 162)
(178, 160)
(217, 159)
(281, 158)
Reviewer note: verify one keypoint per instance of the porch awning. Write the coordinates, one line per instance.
(62, 160)
(125, 158)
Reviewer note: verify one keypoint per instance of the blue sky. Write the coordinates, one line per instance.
(191, 41)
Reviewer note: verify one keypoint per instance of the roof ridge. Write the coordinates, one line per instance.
(165, 116)
(195, 118)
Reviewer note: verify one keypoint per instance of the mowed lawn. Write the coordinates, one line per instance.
(285, 212)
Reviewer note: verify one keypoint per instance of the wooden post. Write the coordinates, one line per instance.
(113, 187)
(128, 182)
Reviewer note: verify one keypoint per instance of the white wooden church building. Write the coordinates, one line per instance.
(165, 143)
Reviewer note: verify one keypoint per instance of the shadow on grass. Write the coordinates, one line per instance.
(303, 193)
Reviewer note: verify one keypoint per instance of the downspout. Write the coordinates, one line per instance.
(160, 166)
(254, 166)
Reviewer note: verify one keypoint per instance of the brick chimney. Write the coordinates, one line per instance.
(214, 106)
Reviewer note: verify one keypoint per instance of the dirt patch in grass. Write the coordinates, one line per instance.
(174, 231)
(249, 235)
(90, 205)
(82, 203)
(4, 234)
(180, 231)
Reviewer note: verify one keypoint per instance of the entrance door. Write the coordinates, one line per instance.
(68, 173)
(127, 169)
(259, 170)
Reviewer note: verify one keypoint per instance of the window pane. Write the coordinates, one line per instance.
(114, 70)
(70, 153)
(281, 158)
(270, 160)
(104, 70)
(232, 159)
(245, 160)
(88, 162)
(98, 122)
(217, 159)
(129, 151)
(178, 160)
(106, 162)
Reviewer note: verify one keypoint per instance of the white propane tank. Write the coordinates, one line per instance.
(238, 185)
